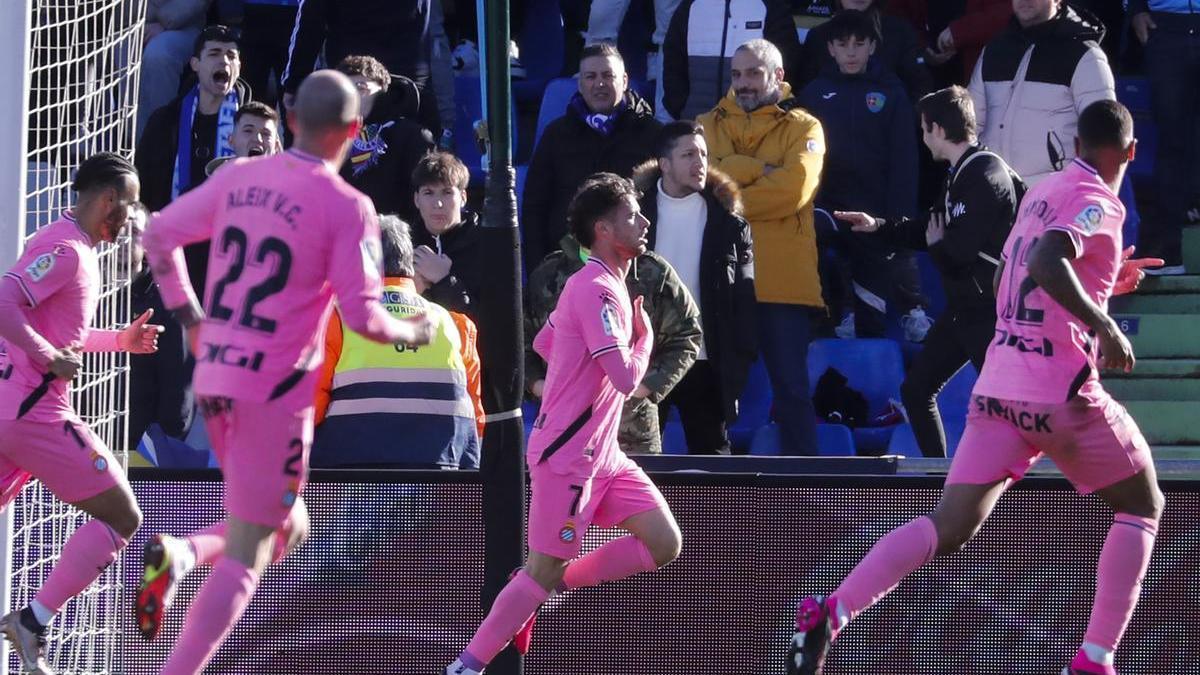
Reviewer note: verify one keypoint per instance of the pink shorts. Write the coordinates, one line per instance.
(263, 452)
(66, 456)
(1091, 438)
(564, 505)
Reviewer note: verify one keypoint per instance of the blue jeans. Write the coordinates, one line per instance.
(163, 62)
(1173, 68)
(784, 333)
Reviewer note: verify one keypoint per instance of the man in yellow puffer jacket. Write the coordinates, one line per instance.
(774, 150)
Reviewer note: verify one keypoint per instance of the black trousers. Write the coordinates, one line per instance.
(266, 36)
(160, 384)
(954, 339)
(698, 397)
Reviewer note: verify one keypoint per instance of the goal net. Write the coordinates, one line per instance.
(84, 62)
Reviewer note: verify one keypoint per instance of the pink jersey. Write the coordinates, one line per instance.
(59, 275)
(576, 431)
(288, 234)
(1041, 352)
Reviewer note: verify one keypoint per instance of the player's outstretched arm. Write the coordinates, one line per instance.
(1050, 267)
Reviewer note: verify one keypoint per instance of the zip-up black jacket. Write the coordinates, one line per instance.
(394, 31)
(980, 202)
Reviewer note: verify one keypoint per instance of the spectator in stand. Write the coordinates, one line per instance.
(170, 33)
(381, 160)
(964, 235)
(700, 41)
(606, 127)
(898, 49)
(1033, 81)
(954, 29)
(430, 399)
(447, 255)
(760, 137)
(606, 16)
(696, 225)
(396, 33)
(172, 157)
(266, 36)
(870, 165)
(1170, 30)
(674, 318)
(255, 133)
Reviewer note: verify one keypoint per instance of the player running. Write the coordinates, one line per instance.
(288, 236)
(47, 301)
(597, 346)
(1039, 393)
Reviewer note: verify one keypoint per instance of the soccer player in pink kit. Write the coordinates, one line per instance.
(1039, 393)
(288, 236)
(47, 301)
(597, 344)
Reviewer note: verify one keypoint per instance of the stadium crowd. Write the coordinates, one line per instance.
(809, 168)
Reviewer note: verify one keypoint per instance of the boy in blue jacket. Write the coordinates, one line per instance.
(870, 162)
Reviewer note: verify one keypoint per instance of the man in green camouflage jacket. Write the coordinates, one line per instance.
(674, 317)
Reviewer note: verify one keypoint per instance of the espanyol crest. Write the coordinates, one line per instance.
(875, 101)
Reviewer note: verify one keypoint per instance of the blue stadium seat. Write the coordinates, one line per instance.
(903, 442)
(529, 413)
(673, 440)
(555, 98)
(833, 440)
(1133, 218)
(874, 367)
(542, 49)
(468, 106)
(754, 409)
(1134, 93)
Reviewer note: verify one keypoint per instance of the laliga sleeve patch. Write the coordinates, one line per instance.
(40, 267)
(1090, 218)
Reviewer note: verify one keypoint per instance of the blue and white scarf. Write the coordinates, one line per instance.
(605, 124)
(187, 115)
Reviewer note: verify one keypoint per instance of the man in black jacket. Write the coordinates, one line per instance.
(606, 127)
(394, 31)
(382, 158)
(446, 250)
(964, 236)
(696, 224)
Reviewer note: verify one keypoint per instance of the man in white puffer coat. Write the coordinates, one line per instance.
(1032, 82)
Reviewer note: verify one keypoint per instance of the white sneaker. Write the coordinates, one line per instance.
(845, 329)
(916, 325)
(457, 668)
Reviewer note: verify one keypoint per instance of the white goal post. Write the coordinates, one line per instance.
(69, 72)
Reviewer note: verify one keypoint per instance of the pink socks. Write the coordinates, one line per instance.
(615, 560)
(893, 557)
(88, 552)
(1123, 563)
(512, 608)
(217, 607)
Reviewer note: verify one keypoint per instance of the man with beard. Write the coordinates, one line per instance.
(760, 137)
(47, 302)
(172, 155)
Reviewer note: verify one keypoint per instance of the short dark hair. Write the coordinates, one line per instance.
(368, 67)
(440, 167)
(103, 169)
(851, 23)
(1105, 124)
(256, 109)
(397, 247)
(951, 109)
(605, 49)
(669, 135)
(596, 198)
(213, 33)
